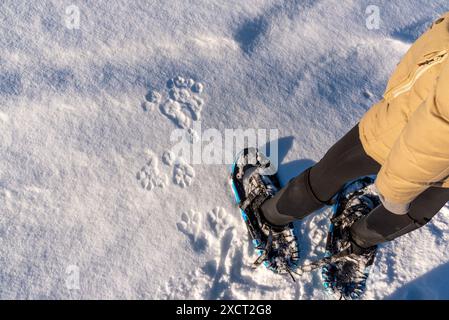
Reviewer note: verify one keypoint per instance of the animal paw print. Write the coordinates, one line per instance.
(152, 99)
(190, 225)
(173, 110)
(183, 174)
(188, 101)
(149, 176)
(218, 221)
(192, 136)
(183, 104)
(168, 158)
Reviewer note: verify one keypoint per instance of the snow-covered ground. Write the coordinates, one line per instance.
(92, 206)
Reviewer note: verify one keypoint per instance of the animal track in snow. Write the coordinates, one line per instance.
(183, 174)
(190, 103)
(197, 87)
(182, 104)
(147, 106)
(192, 135)
(168, 158)
(202, 231)
(218, 221)
(149, 176)
(173, 110)
(227, 272)
(191, 226)
(152, 99)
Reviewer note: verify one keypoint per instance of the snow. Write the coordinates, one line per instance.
(92, 205)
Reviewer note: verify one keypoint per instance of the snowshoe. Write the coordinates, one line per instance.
(346, 275)
(253, 181)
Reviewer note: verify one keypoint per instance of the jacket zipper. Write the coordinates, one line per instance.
(424, 66)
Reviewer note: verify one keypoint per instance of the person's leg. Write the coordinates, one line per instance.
(316, 187)
(381, 225)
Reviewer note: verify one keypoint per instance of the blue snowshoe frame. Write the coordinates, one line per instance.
(255, 242)
(336, 208)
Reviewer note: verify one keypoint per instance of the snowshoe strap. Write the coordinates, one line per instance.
(324, 261)
(260, 259)
(255, 199)
(265, 251)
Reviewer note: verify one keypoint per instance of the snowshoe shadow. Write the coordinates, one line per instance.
(224, 272)
(236, 275)
(218, 286)
(199, 244)
(283, 144)
(410, 33)
(289, 170)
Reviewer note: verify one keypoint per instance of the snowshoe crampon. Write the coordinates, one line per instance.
(253, 181)
(346, 278)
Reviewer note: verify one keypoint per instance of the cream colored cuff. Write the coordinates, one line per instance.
(396, 208)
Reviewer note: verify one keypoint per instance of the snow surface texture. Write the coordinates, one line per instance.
(91, 203)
